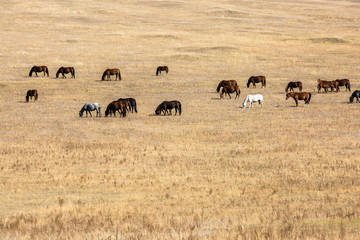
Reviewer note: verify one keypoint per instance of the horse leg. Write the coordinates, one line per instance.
(229, 95)
(90, 113)
(296, 101)
(64, 75)
(37, 75)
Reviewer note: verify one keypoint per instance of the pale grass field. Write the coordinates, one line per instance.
(215, 172)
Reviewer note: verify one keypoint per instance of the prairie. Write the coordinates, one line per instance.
(218, 171)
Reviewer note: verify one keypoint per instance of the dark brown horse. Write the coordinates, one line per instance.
(225, 83)
(37, 69)
(166, 107)
(327, 84)
(32, 93)
(257, 79)
(306, 96)
(108, 72)
(344, 82)
(293, 85)
(119, 106)
(162, 68)
(230, 89)
(66, 70)
(132, 104)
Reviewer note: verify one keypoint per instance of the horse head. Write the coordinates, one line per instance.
(80, 113)
(288, 95)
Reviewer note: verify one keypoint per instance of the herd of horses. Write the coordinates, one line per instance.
(225, 87)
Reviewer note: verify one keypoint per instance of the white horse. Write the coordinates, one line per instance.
(253, 98)
(88, 107)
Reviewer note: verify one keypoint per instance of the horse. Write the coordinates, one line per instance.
(65, 70)
(162, 68)
(37, 69)
(327, 84)
(120, 106)
(108, 72)
(256, 79)
(344, 82)
(166, 106)
(32, 93)
(293, 85)
(253, 98)
(226, 82)
(306, 96)
(356, 95)
(88, 107)
(230, 89)
(132, 103)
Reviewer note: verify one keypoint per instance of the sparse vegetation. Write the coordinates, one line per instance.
(217, 171)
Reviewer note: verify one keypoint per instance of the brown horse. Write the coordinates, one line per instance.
(32, 93)
(293, 85)
(108, 72)
(327, 84)
(230, 89)
(256, 79)
(120, 106)
(65, 70)
(344, 82)
(225, 83)
(306, 96)
(166, 106)
(37, 69)
(162, 68)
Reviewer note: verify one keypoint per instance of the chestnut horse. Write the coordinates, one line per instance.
(166, 106)
(344, 82)
(120, 106)
(65, 70)
(37, 69)
(256, 79)
(132, 104)
(162, 68)
(108, 72)
(306, 96)
(293, 85)
(225, 83)
(32, 93)
(230, 89)
(328, 84)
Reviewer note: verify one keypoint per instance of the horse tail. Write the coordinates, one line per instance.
(103, 76)
(218, 87)
(179, 108)
(135, 106)
(167, 70)
(31, 71)
(73, 69)
(36, 95)
(264, 81)
(119, 75)
(300, 86)
(349, 86)
(99, 111)
(47, 71)
(309, 98)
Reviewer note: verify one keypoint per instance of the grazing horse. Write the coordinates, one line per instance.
(120, 106)
(328, 84)
(37, 69)
(168, 106)
(344, 82)
(88, 107)
(253, 98)
(306, 96)
(230, 89)
(132, 103)
(356, 95)
(225, 83)
(32, 93)
(65, 70)
(293, 85)
(256, 79)
(108, 72)
(162, 68)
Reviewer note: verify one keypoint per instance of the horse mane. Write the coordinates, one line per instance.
(219, 86)
(103, 76)
(31, 71)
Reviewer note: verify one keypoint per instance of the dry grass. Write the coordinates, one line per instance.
(216, 172)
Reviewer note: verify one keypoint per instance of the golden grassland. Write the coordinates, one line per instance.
(217, 171)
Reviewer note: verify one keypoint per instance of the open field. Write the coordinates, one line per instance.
(215, 172)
